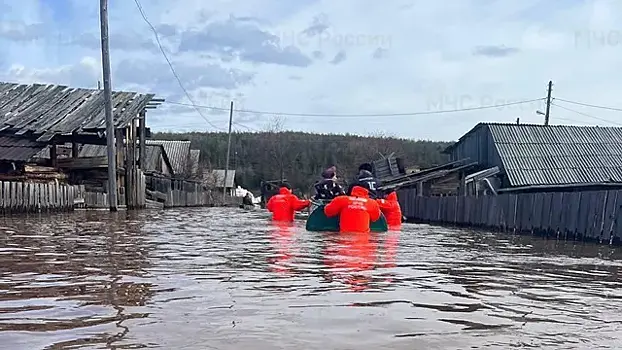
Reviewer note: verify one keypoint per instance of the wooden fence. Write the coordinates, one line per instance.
(591, 215)
(134, 199)
(180, 193)
(21, 197)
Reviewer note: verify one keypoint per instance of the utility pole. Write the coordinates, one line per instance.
(548, 104)
(224, 185)
(112, 163)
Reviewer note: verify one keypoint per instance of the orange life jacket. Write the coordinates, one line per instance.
(356, 212)
(390, 207)
(284, 205)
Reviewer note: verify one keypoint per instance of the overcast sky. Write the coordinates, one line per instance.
(332, 57)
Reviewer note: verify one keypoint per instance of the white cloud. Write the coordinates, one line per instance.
(336, 57)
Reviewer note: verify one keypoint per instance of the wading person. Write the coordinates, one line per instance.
(390, 207)
(285, 204)
(356, 211)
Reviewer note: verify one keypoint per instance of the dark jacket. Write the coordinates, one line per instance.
(367, 180)
(327, 189)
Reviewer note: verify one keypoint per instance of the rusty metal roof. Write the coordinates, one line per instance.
(50, 110)
(558, 154)
(17, 149)
(178, 153)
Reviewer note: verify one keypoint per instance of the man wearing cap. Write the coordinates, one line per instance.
(328, 188)
(366, 179)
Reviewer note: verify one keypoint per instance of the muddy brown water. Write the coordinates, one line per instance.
(228, 279)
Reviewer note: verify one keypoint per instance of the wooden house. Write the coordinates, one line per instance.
(40, 116)
(535, 158)
(216, 179)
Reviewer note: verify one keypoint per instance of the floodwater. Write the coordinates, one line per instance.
(213, 278)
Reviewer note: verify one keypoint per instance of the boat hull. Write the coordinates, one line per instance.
(318, 221)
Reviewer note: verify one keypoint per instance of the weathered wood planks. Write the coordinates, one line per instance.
(179, 193)
(24, 197)
(590, 215)
(47, 110)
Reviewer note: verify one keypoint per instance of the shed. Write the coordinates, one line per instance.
(156, 159)
(539, 157)
(178, 153)
(214, 178)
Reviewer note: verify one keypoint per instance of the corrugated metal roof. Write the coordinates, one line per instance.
(18, 149)
(219, 175)
(178, 153)
(193, 165)
(559, 154)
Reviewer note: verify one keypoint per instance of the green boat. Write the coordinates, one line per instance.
(318, 221)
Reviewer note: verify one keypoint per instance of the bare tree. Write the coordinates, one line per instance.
(276, 143)
(382, 144)
(276, 124)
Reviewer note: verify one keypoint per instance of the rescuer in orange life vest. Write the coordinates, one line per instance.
(390, 207)
(356, 211)
(284, 205)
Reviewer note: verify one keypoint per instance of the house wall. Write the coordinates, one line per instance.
(164, 169)
(479, 146)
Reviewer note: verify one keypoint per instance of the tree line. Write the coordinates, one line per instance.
(300, 157)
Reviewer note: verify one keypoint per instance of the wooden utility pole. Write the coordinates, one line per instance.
(224, 185)
(548, 104)
(112, 164)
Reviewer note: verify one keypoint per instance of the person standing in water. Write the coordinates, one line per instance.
(390, 207)
(284, 205)
(356, 211)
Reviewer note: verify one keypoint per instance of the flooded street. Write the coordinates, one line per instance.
(212, 278)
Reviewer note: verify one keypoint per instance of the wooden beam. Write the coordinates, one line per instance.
(128, 168)
(53, 155)
(142, 134)
(75, 150)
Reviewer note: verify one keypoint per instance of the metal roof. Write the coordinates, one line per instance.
(558, 154)
(50, 110)
(178, 153)
(219, 175)
(18, 149)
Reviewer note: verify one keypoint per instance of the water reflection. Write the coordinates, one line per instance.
(350, 257)
(283, 239)
(218, 278)
(80, 273)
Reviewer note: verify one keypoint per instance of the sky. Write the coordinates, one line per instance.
(387, 67)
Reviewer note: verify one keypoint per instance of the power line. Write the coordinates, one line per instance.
(589, 105)
(364, 115)
(181, 85)
(586, 115)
